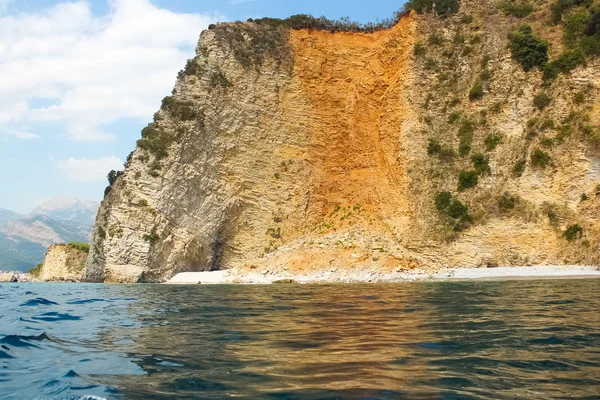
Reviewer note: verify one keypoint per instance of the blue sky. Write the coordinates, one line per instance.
(81, 78)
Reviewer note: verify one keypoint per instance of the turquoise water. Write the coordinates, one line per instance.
(489, 340)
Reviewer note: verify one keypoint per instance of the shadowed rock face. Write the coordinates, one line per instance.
(314, 154)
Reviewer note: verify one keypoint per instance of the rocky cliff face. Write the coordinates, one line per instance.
(306, 149)
(63, 262)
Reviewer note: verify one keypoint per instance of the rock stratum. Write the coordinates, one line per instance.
(62, 263)
(423, 145)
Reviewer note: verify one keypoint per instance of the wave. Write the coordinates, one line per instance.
(38, 302)
(56, 316)
(24, 340)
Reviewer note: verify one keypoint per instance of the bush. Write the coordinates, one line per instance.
(181, 110)
(526, 48)
(112, 178)
(448, 206)
(435, 40)
(446, 154)
(519, 168)
(573, 232)
(519, 9)
(481, 164)
(466, 19)
(584, 197)
(419, 50)
(455, 116)
(433, 147)
(492, 141)
(465, 134)
(540, 159)
(218, 78)
(565, 63)
(441, 7)
(541, 101)
(476, 91)
(467, 180)
(560, 6)
(151, 238)
(84, 247)
(35, 272)
(506, 202)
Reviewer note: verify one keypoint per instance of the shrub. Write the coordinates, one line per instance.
(35, 272)
(112, 178)
(492, 141)
(455, 116)
(448, 206)
(476, 91)
(526, 48)
(584, 197)
(519, 9)
(506, 202)
(182, 110)
(540, 159)
(481, 164)
(465, 134)
(464, 145)
(519, 168)
(218, 78)
(192, 68)
(573, 232)
(546, 142)
(560, 6)
(441, 7)
(419, 50)
(565, 63)
(467, 180)
(579, 98)
(430, 64)
(446, 154)
(433, 147)
(151, 238)
(575, 24)
(541, 101)
(435, 40)
(466, 19)
(84, 247)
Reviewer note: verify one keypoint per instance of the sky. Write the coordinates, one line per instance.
(80, 79)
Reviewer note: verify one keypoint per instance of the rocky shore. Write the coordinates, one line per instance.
(15, 277)
(266, 276)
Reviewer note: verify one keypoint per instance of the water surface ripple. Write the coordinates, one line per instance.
(465, 340)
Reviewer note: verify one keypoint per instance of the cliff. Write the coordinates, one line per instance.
(428, 144)
(63, 262)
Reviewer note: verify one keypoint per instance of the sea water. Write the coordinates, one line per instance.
(444, 340)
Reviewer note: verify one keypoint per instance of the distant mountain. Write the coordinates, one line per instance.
(68, 209)
(6, 216)
(25, 239)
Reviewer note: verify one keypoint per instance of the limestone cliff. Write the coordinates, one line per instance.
(309, 149)
(63, 262)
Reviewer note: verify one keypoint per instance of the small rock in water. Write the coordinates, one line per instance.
(284, 281)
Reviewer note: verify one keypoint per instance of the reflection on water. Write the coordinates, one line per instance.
(494, 340)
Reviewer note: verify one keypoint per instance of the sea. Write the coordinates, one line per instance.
(436, 340)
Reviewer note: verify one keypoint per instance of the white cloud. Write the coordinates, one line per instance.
(94, 70)
(22, 134)
(95, 170)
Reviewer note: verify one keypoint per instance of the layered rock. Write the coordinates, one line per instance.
(306, 149)
(63, 262)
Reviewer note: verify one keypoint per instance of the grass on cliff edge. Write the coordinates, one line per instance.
(84, 247)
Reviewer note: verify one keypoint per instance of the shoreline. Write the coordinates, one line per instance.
(266, 277)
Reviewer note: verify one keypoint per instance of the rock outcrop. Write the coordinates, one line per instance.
(307, 149)
(63, 263)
